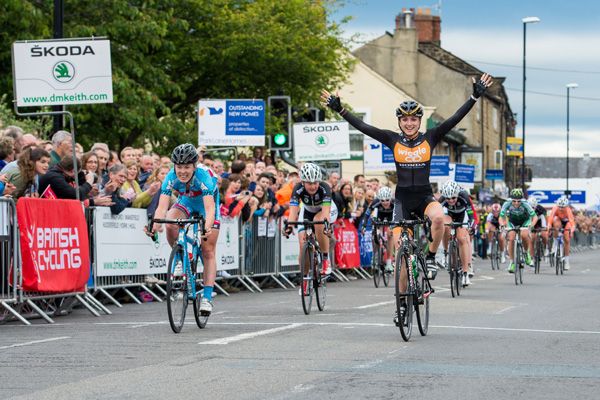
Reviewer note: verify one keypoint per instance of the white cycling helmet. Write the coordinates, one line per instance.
(562, 202)
(450, 189)
(384, 193)
(533, 201)
(311, 173)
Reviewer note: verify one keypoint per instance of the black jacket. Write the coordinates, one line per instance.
(62, 185)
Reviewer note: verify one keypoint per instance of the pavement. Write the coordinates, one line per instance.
(497, 340)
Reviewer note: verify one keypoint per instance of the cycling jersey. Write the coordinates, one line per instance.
(461, 207)
(517, 216)
(564, 214)
(377, 211)
(493, 220)
(540, 211)
(191, 194)
(312, 202)
(411, 156)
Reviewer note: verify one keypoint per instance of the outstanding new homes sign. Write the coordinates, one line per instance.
(62, 72)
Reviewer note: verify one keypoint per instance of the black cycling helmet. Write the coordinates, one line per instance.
(409, 109)
(184, 154)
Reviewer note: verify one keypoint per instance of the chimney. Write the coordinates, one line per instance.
(428, 26)
(404, 20)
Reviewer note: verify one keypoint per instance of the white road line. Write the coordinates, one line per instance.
(250, 335)
(585, 271)
(383, 303)
(369, 364)
(504, 310)
(485, 328)
(35, 342)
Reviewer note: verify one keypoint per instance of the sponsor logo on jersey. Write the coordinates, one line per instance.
(409, 155)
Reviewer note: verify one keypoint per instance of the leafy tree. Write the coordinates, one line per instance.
(166, 55)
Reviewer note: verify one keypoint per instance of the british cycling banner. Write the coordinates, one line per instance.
(347, 253)
(54, 245)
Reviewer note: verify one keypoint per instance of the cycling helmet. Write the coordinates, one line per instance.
(533, 201)
(310, 173)
(184, 154)
(384, 193)
(496, 208)
(562, 202)
(409, 109)
(516, 194)
(450, 189)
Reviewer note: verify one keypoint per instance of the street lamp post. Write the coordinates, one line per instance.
(569, 87)
(526, 20)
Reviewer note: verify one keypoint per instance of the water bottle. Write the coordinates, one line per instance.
(413, 263)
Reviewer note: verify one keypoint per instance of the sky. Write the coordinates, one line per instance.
(564, 47)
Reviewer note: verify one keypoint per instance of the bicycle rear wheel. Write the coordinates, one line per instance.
(557, 257)
(422, 305)
(404, 321)
(306, 287)
(201, 320)
(562, 258)
(177, 293)
(518, 261)
(319, 283)
(376, 266)
(538, 254)
(494, 255)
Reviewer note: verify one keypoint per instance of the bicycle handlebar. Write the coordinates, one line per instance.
(457, 224)
(306, 223)
(179, 221)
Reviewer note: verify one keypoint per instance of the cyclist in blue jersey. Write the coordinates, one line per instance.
(197, 189)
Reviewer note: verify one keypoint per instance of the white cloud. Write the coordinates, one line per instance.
(551, 141)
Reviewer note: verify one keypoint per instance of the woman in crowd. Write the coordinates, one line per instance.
(117, 176)
(237, 198)
(344, 201)
(263, 205)
(156, 179)
(131, 188)
(33, 162)
(89, 161)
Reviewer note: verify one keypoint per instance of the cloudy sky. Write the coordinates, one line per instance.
(563, 48)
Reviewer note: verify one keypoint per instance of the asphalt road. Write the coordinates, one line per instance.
(499, 341)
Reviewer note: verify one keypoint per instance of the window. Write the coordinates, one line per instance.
(357, 137)
(495, 118)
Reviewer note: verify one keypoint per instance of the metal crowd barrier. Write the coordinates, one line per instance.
(9, 261)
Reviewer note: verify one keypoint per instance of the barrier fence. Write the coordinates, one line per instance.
(118, 262)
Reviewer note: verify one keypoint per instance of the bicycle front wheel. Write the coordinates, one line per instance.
(177, 296)
(306, 288)
(403, 298)
(376, 266)
(494, 255)
(422, 305)
(320, 284)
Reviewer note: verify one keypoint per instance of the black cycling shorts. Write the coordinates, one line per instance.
(410, 203)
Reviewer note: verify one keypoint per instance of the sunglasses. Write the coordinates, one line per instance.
(453, 198)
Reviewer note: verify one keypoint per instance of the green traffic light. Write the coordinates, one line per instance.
(279, 139)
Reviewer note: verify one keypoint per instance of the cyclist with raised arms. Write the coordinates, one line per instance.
(381, 209)
(195, 186)
(517, 213)
(492, 224)
(457, 208)
(315, 197)
(540, 225)
(561, 216)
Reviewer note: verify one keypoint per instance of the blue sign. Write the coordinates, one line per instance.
(244, 117)
(440, 166)
(387, 156)
(464, 173)
(494, 174)
(550, 196)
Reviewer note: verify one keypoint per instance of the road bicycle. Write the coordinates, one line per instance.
(558, 250)
(378, 264)
(182, 281)
(415, 299)
(496, 253)
(453, 261)
(538, 253)
(519, 254)
(313, 282)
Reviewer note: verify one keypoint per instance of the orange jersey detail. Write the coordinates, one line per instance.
(412, 155)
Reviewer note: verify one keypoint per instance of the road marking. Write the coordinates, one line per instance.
(35, 342)
(369, 364)
(250, 335)
(383, 303)
(485, 328)
(509, 308)
(585, 271)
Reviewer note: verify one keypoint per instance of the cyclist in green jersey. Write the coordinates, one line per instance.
(517, 213)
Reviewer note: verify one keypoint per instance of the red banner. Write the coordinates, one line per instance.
(347, 252)
(54, 245)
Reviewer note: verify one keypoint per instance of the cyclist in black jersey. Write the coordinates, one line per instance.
(540, 225)
(492, 224)
(381, 209)
(315, 197)
(412, 154)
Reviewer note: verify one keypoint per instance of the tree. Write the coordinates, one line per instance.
(166, 55)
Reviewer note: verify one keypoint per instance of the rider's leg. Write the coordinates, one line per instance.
(567, 239)
(446, 239)
(209, 257)
(301, 240)
(322, 238)
(172, 230)
(464, 247)
(435, 213)
(525, 237)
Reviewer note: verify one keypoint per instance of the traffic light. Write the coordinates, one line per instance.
(280, 123)
(312, 114)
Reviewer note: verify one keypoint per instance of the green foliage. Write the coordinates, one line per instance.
(37, 126)
(166, 55)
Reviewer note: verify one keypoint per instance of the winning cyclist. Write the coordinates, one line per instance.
(517, 213)
(381, 209)
(561, 216)
(457, 207)
(196, 187)
(492, 224)
(412, 155)
(541, 225)
(315, 197)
